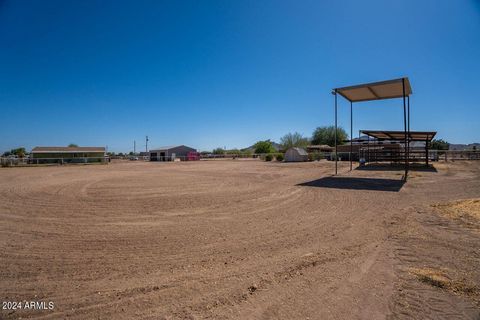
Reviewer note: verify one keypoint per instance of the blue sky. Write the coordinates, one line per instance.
(229, 73)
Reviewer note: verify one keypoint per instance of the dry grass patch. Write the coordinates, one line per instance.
(463, 209)
(433, 277)
(413, 175)
(439, 278)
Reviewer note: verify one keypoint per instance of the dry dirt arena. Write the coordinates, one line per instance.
(240, 239)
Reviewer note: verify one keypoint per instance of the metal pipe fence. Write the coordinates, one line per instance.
(371, 154)
(456, 155)
(385, 155)
(238, 156)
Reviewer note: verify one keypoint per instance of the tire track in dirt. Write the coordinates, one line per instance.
(424, 240)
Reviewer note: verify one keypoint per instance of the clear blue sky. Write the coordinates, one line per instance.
(228, 73)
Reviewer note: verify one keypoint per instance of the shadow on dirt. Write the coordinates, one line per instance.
(374, 184)
(396, 167)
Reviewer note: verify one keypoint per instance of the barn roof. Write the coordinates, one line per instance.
(67, 149)
(170, 147)
(320, 146)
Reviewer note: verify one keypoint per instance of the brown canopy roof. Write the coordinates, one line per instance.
(400, 135)
(319, 147)
(376, 90)
(67, 149)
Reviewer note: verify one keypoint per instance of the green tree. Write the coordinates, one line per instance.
(19, 152)
(73, 145)
(293, 140)
(439, 144)
(264, 147)
(218, 151)
(326, 135)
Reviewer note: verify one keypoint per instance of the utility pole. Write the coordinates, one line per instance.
(146, 143)
(134, 147)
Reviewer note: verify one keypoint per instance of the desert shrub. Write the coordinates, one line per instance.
(293, 140)
(279, 157)
(268, 157)
(439, 144)
(246, 152)
(315, 156)
(233, 151)
(218, 151)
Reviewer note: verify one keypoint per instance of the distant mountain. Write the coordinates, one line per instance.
(276, 146)
(470, 146)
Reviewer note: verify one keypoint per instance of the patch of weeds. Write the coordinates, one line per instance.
(435, 278)
(469, 208)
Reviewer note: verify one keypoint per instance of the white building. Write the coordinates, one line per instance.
(296, 155)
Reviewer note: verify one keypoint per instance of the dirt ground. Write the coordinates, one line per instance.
(239, 239)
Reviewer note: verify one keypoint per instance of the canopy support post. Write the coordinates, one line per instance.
(426, 152)
(368, 149)
(405, 130)
(336, 154)
(351, 133)
(408, 128)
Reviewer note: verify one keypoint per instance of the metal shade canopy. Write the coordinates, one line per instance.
(400, 135)
(376, 90)
(389, 89)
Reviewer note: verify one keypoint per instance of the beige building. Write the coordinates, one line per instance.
(296, 155)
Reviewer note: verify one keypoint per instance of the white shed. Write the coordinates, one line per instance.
(296, 155)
